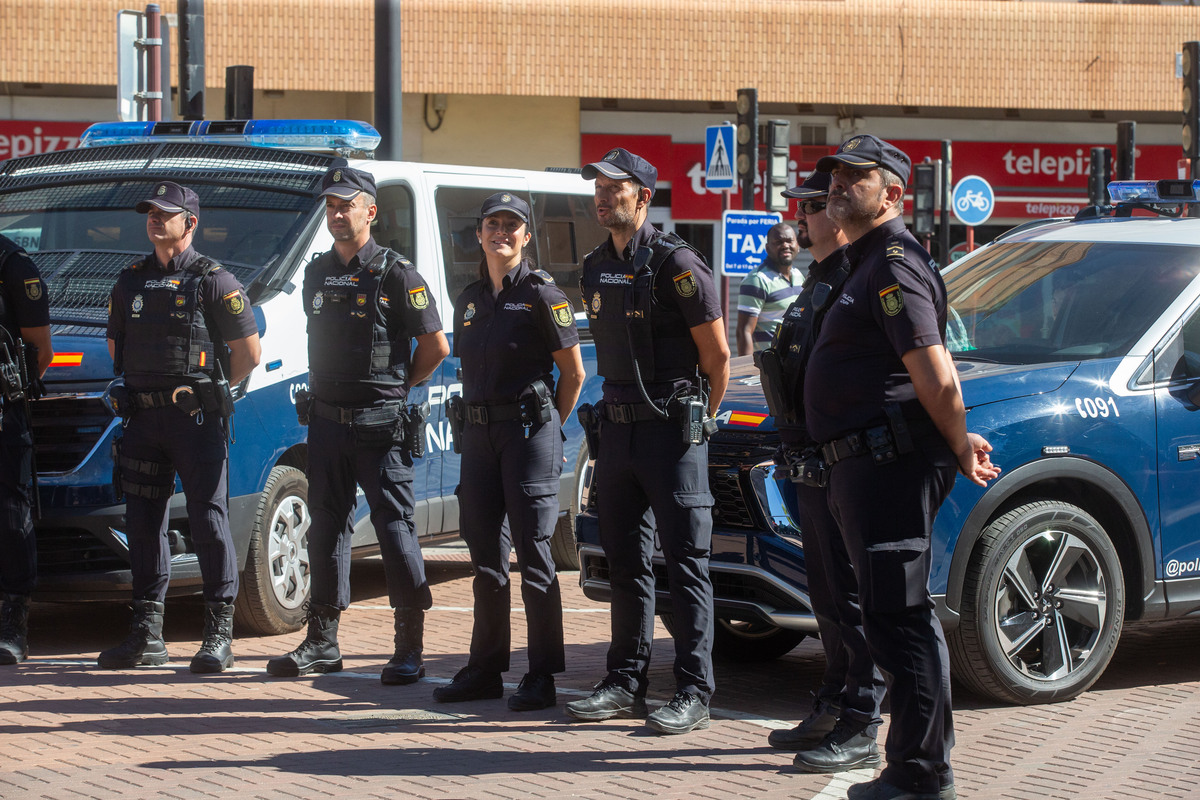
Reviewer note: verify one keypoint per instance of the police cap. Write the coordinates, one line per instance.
(505, 201)
(346, 183)
(170, 197)
(620, 164)
(866, 151)
(815, 185)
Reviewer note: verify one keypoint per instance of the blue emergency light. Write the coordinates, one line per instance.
(1165, 191)
(295, 134)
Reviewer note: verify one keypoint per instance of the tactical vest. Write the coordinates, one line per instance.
(6, 312)
(348, 338)
(627, 321)
(165, 329)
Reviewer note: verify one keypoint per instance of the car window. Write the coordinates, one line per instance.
(1026, 303)
(1179, 360)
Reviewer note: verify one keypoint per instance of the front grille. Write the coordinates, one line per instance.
(65, 429)
(731, 454)
(70, 551)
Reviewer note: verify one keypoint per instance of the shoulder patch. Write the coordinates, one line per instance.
(892, 300)
(418, 298)
(33, 288)
(562, 314)
(685, 284)
(234, 302)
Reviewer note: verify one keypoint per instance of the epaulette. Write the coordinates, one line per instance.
(894, 250)
(390, 258)
(543, 276)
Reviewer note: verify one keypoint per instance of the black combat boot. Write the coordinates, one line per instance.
(405, 666)
(144, 647)
(14, 628)
(319, 650)
(216, 650)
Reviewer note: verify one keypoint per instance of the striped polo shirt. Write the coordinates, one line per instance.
(766, 294)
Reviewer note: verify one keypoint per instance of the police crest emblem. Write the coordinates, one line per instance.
(360, 299)
(469, 312)
(506, 198)
(562, 314)
(33, 288)
(318, 301)
(162, 189)
(418, 298)
(612, 154)
(853, 143)
(596, 303)
(234, 303)
(892, 299)
(180, 300)
(685, 284)
(337, 175)
(137, 304)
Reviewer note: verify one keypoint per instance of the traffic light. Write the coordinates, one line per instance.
(1126, 133)
(1099, 175)
(778, 155)
(1191, 100)
(924, 189)
(747, 144)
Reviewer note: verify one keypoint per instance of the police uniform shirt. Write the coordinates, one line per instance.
(221, 297)
(683, 282)
(408, 308)
(26, 301)
(894, 301)
(505, 342)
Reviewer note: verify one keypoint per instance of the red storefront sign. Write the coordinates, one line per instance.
(1031, 180)
(26, 137)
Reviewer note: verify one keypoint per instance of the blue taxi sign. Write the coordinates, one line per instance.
(973, 200)
(745, 236)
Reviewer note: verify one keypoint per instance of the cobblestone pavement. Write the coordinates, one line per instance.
(69, 730)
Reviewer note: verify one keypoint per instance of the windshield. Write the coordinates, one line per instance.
(81, 235)
(1026, 303)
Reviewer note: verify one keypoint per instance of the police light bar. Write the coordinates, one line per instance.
(1167, 191)
(296, 134)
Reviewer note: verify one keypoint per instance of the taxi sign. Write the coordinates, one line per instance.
(745, 236)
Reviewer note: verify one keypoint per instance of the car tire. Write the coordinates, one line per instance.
(276, 583)
(1043, 606)
(746, 642)
(564, 547)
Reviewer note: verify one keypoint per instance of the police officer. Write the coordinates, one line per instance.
(180, 331)
(24, 316)
(365, 305)
(882, 397)
(660, 336)
(511, 328)
(839, 734)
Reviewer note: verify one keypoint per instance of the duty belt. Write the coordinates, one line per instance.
(880, 442)
(483, 413)
(849, 446)
(156, 399)
(346, 416)
(624, 414)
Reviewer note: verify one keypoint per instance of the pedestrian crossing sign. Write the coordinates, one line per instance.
(719, 157)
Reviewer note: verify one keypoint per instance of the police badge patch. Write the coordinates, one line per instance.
(33, 288)
(136, 306)
(685, 284)
(234, 303)
(337, 175)
(469, 312)
(596, 303)
(562, 314)
(318, 301)
(418, 298)
(892, 299)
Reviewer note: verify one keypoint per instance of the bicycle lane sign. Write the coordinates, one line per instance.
(973, 200)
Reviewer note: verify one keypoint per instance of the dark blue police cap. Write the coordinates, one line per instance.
(815, 185)
(620, 164)
(346, 183)
(170, 197)
(505, 201)
(866, 151)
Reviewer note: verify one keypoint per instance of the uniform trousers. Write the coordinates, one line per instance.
(336, 462)
(646, 465)
(886, 513)
(18, 544)
(851, 680)
(197, 449)
(503, 473)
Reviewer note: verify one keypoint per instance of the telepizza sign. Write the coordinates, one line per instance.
(26, 137)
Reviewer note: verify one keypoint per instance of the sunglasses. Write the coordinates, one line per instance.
(811, 206)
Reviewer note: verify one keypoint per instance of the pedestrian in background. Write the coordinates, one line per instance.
(512, 327)
(768, 290)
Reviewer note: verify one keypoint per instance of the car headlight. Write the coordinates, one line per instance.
(776, 499)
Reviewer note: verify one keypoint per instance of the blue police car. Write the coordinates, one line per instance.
(1078, 347)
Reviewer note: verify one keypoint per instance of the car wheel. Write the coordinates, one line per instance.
(276, 582)
(1043, 606)
(563, 546)
(745, 642)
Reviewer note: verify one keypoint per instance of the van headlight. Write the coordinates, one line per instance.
(776, 499)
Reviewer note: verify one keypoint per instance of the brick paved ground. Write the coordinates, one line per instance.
(68, 730)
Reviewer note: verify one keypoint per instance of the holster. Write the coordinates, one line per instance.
(536, 404)
(770, 367)
(456, 415)
(213, 396)
(304, 405)
(414, 428)
(589, 419)
(11, 386)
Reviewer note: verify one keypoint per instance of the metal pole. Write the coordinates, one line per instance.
(154, 52)
(389, 96)
(944, 232)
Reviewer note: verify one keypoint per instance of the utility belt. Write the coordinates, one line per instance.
(535, 406)
(689, 412)
(883, 443)
(391, 424)
(202, 394)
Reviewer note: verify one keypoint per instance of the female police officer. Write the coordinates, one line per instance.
(511, 327)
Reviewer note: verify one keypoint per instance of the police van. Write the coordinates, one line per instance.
(1077, 342)
(260, 217)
